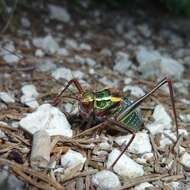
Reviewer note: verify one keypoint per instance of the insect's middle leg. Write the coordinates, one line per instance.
(127, 130)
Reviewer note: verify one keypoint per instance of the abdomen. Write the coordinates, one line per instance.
(131, 120)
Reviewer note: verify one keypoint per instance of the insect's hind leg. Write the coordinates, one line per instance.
(73, 81)
(124, 128)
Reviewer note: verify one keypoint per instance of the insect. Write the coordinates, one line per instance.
(114, 110)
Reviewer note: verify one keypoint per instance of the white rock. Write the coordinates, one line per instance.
(2, 135)
(144, 29)
(122, 62)
(90, 62)
(71, 44)
(8, 53)
(143, 186)
(167, 133)
(79, 59)
(182, 87)
(171, 68)
(134, 90)
(162, 120)
(125, 166)
(91, 71)
(30, 90)
(11, 58)
(72, 159)
(71, 109)
(155, 128)
(29, 96)
(149, 61)
(66, 74)
(84, 46)
(185, 160)
(162, 116)
(106, 52)
(62, 73)
(7, 98)
(48, 118)
(108, 82)
(127, 80)
(175, 185)
(147, 156)
(104, 146)
(185, 117)
(29, 101)
(48, 44)
(78, 74)
(136, 147)
(59, 13)
(153, 64)
(46, 65)
(63, 52)
(15, 124)
(106, 180)
(39, 53)
(25, 22)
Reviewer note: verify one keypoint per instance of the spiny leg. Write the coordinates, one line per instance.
(141, 99)
(73, 81)
(128, 130)
(136, 104)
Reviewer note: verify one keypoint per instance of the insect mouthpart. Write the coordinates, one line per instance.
(87, 97)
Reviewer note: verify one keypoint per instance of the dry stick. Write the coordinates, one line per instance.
(178, 143)
(30, 171)
(90, 130)
(40, 155)
(81, 174)
(6, 127)
(176, 150)
(28, 179)
(12, 131)
(138, 180)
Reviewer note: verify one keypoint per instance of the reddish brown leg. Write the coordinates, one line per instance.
(128, 130)
(135, 105)
(141, 99)
(73, 81)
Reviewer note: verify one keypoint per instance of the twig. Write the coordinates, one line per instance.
(29, 171)
(90, 130)
(138, 180)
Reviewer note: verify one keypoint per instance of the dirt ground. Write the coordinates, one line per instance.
(96, 34)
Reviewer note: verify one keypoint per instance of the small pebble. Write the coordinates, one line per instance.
(122, 62)
(143, 186)
(48, 118)
(134, 90)
(72, 159)
(141, 138)
(106, 180)
(59, 13)
(7, 98)
(125, 167)
(185, 160)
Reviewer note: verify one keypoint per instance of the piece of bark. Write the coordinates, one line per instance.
(41, 147)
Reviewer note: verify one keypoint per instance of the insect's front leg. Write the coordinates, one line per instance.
(73, 81)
